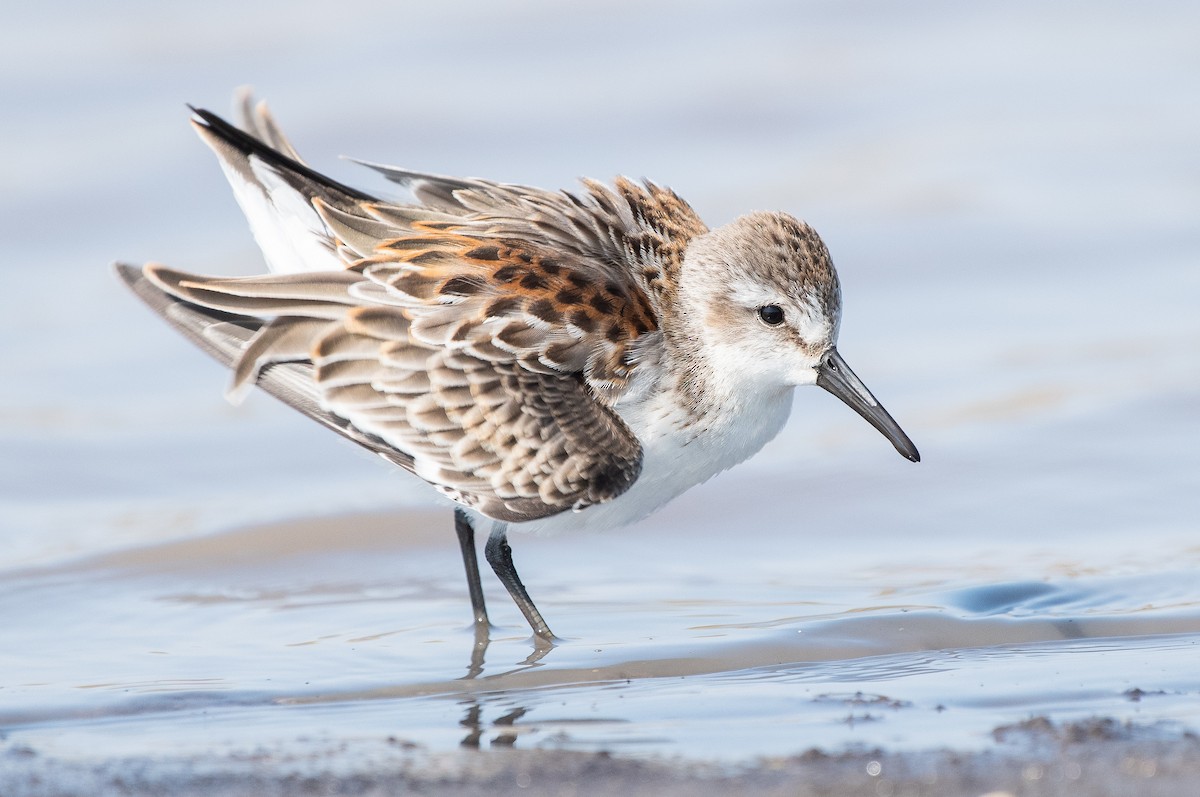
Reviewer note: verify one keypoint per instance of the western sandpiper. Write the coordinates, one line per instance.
(547, 360)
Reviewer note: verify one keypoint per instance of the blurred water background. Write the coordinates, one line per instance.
(1011, 193)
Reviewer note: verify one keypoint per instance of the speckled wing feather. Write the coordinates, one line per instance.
(632, 233)
(514, 442)
(226, 339)
(581, 281)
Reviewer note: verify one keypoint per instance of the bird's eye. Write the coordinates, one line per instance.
(771, 314)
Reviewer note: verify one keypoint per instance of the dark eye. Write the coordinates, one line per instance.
(771, 314)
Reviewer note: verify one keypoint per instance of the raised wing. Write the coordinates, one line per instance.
(636, 233)
(630, 234)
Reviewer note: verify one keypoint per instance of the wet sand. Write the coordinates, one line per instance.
(1094, 758)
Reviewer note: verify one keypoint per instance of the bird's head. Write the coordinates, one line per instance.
(764, 296)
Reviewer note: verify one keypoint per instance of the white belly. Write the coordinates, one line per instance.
(675, 457)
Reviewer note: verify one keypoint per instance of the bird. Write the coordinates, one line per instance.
(547, 360)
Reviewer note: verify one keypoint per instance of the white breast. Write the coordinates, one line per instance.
(677, 455)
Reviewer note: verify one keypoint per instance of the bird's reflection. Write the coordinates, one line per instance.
(472, 722)
(505, 726)
(506, 732)
(480, 645)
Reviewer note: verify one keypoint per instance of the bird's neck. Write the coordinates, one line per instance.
(712, 393)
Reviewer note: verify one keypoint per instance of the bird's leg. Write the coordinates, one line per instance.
(466, 539)
(499, 556)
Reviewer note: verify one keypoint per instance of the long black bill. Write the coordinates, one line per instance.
(835, 376)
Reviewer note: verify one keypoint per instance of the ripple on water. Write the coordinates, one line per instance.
(256, 651)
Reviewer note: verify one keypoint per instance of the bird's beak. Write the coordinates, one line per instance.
(835, 376)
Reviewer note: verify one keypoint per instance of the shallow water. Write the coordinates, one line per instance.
(1012, 208)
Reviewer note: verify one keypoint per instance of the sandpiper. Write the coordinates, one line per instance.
(547, 360)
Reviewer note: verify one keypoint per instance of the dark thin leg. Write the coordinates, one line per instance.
(499, 556)
(466, 539)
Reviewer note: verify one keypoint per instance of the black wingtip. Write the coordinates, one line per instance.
(248, 145)
(233, 135)
(229, 131)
